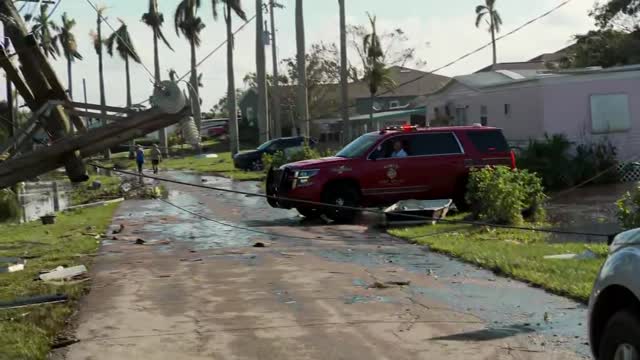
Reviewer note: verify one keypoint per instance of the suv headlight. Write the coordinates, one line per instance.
(303, 177)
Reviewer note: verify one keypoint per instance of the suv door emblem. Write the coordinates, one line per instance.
(392, 171)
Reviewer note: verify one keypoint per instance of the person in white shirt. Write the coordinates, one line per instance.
(398, 151)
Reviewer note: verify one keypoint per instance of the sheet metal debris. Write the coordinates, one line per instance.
(430, 209)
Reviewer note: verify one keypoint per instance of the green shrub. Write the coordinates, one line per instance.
(501, 195)
(279, 158)
(9, 205)
(593, 160)
(629, 209)
(551, 159)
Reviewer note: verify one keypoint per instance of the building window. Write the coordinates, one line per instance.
(507, 109)
(395, 104)
(610, 113)
(484, 115)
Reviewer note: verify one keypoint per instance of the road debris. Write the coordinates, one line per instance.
(64, 342)
(259, 245)
(117, 229)
(389, 284)
(11, 264)
(32, 301)
(62, 273)
(152, 242)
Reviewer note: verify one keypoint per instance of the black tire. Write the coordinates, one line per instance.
(257, 165)
(309, 213)
(341, 195)
(623, 328)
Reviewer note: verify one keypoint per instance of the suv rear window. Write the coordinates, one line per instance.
(488, 141)
(434, 144)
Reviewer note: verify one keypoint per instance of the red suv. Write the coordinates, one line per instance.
(384, 167)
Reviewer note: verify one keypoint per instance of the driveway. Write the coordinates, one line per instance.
(314, 291)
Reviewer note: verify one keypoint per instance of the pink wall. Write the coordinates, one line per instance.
(567, 111)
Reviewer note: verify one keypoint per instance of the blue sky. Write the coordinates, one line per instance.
(441, 31)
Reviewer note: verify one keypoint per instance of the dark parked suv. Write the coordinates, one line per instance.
(384, 167)
(252, 159)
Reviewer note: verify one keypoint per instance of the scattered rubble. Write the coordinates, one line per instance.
(11, 264)
(62, 273)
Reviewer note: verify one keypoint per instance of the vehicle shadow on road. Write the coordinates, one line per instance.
(488, 334)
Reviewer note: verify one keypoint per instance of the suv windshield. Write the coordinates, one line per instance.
(359, 146)
(266, 145)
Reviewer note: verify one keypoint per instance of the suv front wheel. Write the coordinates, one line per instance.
(621, 337)
(341, 195)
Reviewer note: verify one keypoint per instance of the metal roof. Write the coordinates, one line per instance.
(388, 115)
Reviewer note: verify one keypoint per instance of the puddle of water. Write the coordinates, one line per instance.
(360, 299)
(183, 227)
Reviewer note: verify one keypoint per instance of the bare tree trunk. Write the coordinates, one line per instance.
(373, 100)
(344, 81)
(195, 97)
(128, 79)
(276, 118)
(103, 100)
(232, 102)
(162, 133)
(69, 78)
(493, 40)
(303, 101)
(263, 112)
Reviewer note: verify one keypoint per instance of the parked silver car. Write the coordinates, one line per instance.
(614, 306)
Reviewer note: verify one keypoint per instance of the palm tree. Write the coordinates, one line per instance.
(121, 39)
(376, 73)
(154, 19)
(344, 86)
(231, 6)
(190, 25)
(98, 43)
(69, 47)
(495, 21)
(303, 101)
(44, 31)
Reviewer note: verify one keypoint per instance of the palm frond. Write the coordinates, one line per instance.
(480, 17)
(480, 8)
(497, 20)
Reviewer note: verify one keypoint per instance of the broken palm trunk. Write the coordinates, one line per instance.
(38, 84)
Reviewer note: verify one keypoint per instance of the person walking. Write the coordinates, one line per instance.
(156, 157)
(139, 158)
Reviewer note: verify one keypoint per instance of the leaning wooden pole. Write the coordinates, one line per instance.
(44, 85)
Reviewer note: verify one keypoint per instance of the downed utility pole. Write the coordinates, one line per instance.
(42, 84)
(54, 111)
(169, 108)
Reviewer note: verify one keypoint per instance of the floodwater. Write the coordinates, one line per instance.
(39, 198)
(591, 209)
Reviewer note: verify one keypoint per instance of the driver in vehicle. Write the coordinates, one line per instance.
(398, 150)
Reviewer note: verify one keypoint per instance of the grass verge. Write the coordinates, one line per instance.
(83, 194)
(28, 333)
(517, 254)
(221, 165)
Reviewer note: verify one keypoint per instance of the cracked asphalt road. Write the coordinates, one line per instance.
(351, 292)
